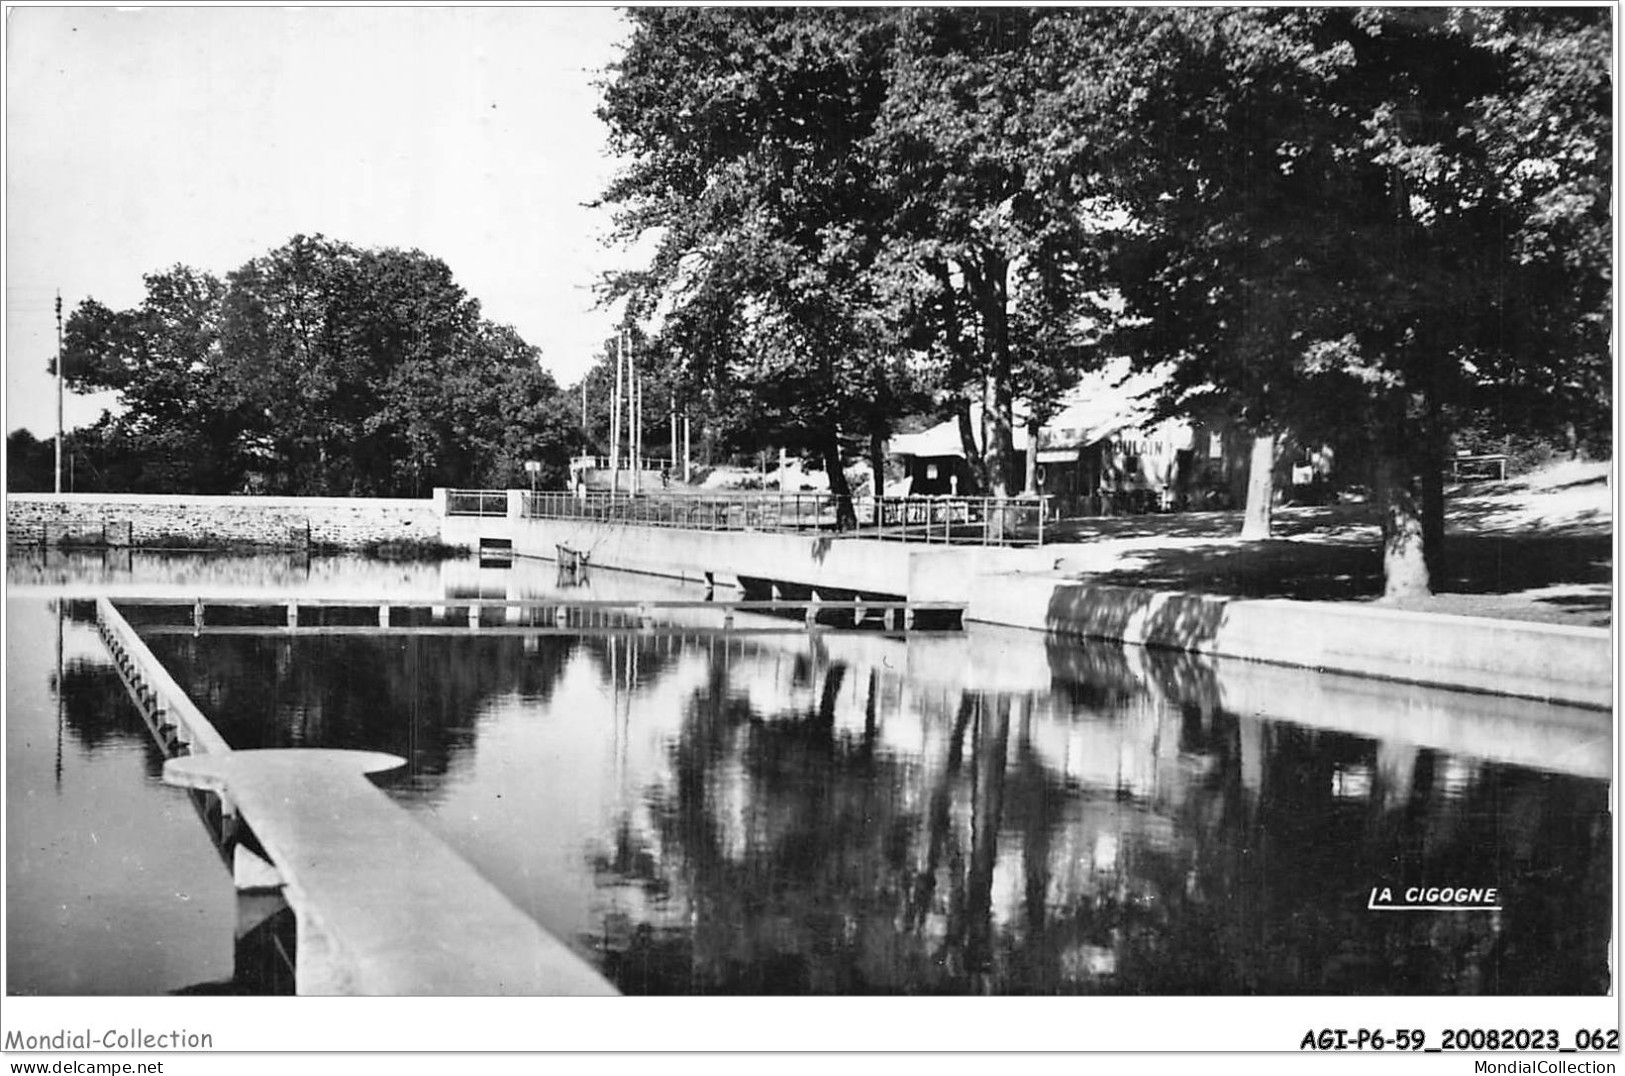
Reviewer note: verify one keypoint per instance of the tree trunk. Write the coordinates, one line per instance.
(1030, 487)
(877, 470)
(1435, 444)
(1001, 447)
(1404, 562)
(1255, 521)
(846, 517)
(973, 451)
(1432, 486)
(1235, 469)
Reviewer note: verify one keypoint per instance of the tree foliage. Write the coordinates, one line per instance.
(995, 253)
(744, 129)
(1364, 226)
(789, 161)
(318, 368)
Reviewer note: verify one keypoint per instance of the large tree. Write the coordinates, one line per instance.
(743, 129)
(318, 368)
(177, 415)
(836, 191)
(1358, 221)
(1354, 226)
(30, 463)
(996, 252)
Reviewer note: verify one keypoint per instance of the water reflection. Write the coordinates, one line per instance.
(711, 812)
(112, 885)
(701, 811)
(99, 572)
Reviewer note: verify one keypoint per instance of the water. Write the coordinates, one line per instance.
(777, 812)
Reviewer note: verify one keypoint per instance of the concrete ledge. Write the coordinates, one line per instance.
(1541, 735)
(851, 565)
(383, 907)
(1541, 661)
(167, 709)
(1017, 588)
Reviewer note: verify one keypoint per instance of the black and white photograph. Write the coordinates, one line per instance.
(936, 510)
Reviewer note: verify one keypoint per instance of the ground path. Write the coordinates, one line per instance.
(1535, 548)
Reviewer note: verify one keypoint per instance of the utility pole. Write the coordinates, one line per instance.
(615, 418)
(632, 414)
(59, 390)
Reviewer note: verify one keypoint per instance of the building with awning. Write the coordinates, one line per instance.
(1105, 449)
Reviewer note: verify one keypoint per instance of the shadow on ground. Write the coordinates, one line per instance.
(1539, 548)
(1346, 571)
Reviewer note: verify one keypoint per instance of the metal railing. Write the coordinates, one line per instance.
(602, 463)
(692, 511)
(961, 520)
(942, 520)
(476, 502)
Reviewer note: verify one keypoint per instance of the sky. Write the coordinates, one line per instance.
(141, 139)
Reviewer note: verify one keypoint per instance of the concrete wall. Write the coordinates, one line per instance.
(204, 521)
(1541, 661)
(1019, 588)
(920, 573)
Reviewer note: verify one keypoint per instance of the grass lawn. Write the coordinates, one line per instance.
(1538, 547)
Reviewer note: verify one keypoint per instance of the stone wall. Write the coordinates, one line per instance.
(212, 522)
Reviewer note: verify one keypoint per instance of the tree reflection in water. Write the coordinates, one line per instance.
(408, 695)
(817, 820)
(1184, 850)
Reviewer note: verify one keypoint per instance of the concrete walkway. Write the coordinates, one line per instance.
(384, 907)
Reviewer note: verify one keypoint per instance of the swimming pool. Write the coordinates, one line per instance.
(777, 811)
